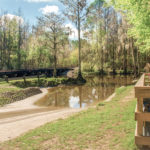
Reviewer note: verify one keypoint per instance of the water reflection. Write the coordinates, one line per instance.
(96, 89)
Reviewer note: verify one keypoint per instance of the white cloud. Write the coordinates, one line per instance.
(74, 34)
(39, 1)
(49, 9)
(11, 17)
(91, 1)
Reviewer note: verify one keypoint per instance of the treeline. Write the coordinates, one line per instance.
(30, 47)
(106, 40)
(110, 46)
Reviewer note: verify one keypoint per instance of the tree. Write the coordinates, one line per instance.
(54, 29)
(114, 38)
(76, 11)
(97, 19)
(137, 13)
(20, 39)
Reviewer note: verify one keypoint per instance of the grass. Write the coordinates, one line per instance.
(110, 125)
(43, 82)
(6, 87)
(34, 82)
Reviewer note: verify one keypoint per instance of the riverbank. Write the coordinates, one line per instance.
(10, 94)
(20, 89)
(96, 128)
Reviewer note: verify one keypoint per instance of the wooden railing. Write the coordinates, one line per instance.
(142, 114)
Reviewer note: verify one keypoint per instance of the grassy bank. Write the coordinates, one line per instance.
(10, 94)
(43, 82)
(35, 82)
(110, 125)
(5, 88)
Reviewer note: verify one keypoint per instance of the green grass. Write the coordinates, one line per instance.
(110, 125)
(5, 88)
(33, 82)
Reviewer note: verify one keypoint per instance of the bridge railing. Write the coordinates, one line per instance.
(142, 112)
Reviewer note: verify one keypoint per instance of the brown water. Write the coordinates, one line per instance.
(95, 90)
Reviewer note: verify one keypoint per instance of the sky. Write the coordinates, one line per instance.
(31, 9)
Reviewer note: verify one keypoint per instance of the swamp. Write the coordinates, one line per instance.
(74, 74)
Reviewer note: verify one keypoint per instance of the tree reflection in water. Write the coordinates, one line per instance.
(96, 89)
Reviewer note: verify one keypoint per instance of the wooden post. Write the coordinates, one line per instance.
(142, 91)
(140, 104)
(140, 122)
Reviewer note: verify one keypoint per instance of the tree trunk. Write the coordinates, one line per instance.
(9, 52)
(114, 70)
(55, 58)
(4, 49)
(138, 62)
(134, 58)
(79, 46)
(102, 62)
(125, 60)
(19, 49)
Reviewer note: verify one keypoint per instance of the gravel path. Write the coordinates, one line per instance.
(22, 116)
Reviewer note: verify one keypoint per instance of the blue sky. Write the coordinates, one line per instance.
(31, 9)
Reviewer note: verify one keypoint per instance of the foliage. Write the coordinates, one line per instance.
(55, 32)
(111, 36)
(138, 16)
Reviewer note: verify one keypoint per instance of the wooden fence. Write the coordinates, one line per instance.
(142, 112)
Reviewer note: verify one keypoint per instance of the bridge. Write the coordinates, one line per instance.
(33, 72)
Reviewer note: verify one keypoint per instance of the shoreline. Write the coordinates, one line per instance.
(27, 103)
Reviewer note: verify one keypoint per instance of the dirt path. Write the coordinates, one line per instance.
(22, 116)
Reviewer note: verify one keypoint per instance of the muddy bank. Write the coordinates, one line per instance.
(13, 96)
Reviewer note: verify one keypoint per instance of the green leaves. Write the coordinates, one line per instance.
(138, 15)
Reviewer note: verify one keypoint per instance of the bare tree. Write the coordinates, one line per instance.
(20, 40)
(53, 27)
